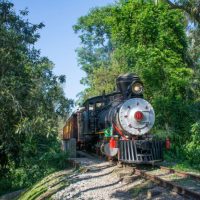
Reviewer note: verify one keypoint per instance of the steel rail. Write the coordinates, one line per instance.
(164, 183)
(180, 173)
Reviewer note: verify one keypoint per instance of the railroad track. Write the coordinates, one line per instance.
(180, 173)
(185, 184)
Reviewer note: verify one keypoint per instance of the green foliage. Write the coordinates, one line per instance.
(95, 37)
(50, 184)
(150, 40)
(32, 102)
(192, 147)
(191, 7)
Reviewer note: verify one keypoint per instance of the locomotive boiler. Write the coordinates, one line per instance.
(117, 124)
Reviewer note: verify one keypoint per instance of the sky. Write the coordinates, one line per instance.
(58, 40)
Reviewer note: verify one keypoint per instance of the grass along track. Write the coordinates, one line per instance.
(181, 173)
(48, 186)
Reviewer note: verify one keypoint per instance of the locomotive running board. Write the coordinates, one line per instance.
(140, 151)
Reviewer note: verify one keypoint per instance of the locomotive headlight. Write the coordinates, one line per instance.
(137, 88)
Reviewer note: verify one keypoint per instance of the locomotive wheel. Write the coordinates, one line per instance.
(102, 149)
(110, 152)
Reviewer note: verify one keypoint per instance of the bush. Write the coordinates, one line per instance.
(192, 147)
(33, 169)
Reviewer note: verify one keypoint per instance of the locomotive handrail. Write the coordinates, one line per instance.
(119, 131)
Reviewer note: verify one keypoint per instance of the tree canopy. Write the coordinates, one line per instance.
(191, 7)
(150, 40)
(31, 98)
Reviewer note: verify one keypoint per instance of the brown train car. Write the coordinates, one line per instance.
(70, 135)
(70, 130)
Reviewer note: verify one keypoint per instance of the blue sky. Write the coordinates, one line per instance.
(58, 40)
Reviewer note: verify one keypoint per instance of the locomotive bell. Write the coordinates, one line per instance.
(136, 116)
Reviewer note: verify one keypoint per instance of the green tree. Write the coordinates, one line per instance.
(191, 7)
(148, 40)
(96, 46)
(31, 101)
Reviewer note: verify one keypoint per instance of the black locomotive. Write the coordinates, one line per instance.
(117, 124)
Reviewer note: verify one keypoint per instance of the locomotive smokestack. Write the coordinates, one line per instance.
(124, 81)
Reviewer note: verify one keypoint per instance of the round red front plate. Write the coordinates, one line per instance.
(138, 116)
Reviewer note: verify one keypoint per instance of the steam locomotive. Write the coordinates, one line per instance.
(117, 124)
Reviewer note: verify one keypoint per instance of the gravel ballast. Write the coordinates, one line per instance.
(100, 180)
